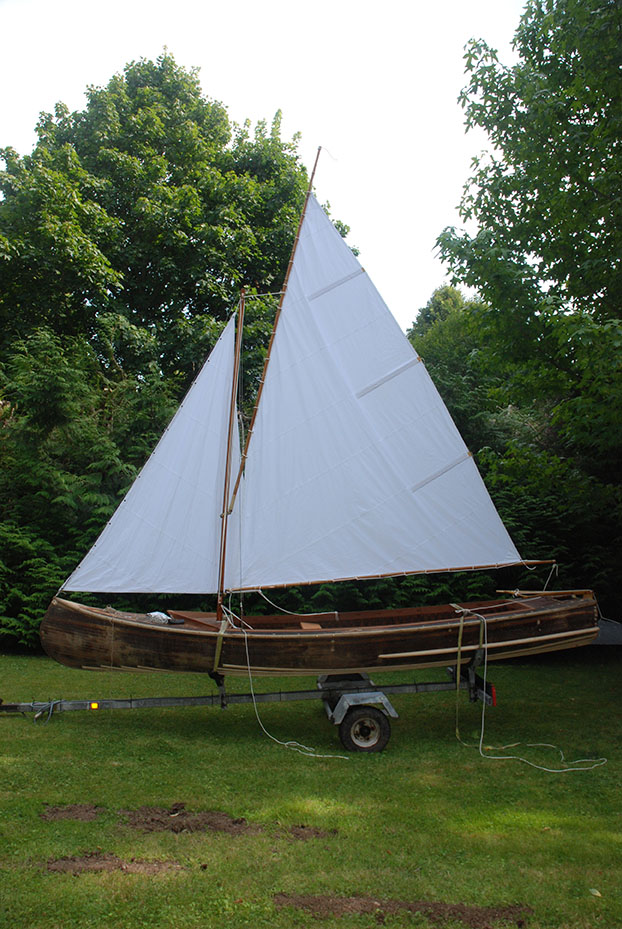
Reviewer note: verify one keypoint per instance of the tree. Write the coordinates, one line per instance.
(448, 335)
(546, 256)
(547, 199)
(553, 504)
(445, 301)
(542, 345)
(148, 205)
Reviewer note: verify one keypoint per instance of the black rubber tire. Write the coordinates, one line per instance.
(365, 729)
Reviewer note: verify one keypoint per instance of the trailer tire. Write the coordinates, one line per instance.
(365, 729)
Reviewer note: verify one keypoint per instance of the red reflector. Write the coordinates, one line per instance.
(493, 694)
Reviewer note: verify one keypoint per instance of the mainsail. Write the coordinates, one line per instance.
(165, 535)
(355, 467)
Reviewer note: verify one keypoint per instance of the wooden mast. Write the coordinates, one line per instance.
(276, 321)
(232, 424)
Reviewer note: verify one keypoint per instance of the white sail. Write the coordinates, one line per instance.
(165, 535)
(355, 467)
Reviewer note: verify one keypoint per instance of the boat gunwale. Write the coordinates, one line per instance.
(468, 619)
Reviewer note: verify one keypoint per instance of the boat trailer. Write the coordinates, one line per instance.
(361, 709)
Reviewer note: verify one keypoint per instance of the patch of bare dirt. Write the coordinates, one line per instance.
(104, 861)
(85, 812)
(179, 819)
(474, 917)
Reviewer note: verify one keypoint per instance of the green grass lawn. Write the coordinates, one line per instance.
(426, 820)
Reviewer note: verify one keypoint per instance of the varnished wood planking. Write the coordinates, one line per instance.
(81, 636)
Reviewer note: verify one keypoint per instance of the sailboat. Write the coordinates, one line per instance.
(352, 468)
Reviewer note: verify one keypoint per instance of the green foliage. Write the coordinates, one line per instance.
(448, 335)
(28, 565)
(551, 507)
(547, 199)
(147, 205)
(62, 470)
(589, 416)
(54, 268)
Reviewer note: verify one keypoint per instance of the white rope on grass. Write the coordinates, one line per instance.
(589, 763)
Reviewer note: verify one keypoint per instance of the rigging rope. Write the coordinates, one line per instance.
(296, 612)
(554, 571)
(291, 744)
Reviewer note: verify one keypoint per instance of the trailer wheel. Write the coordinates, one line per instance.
(364, 729)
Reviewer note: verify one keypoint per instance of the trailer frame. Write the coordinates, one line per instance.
(361, 709)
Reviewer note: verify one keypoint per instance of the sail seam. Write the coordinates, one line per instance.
(440, 472)
(335, 284)
(388, 377)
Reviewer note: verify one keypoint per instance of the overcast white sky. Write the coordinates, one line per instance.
(375, 84)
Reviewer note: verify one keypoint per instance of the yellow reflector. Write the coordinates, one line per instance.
(93, 706)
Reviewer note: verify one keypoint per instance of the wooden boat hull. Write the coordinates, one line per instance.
(87, 637)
